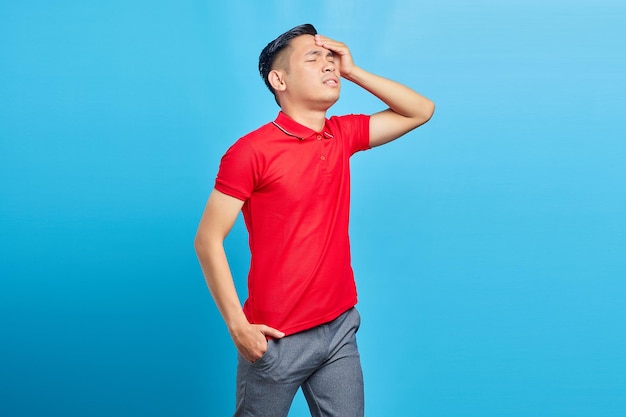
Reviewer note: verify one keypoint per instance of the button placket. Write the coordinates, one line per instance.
(322, 150)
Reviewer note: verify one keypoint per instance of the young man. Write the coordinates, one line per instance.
(290, 178)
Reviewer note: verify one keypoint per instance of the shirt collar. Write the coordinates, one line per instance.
(292, 128)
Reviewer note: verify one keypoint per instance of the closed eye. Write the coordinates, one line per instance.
(314, 55)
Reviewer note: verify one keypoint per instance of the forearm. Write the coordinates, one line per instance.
(400, 98)
(250, 339)
(220, 282)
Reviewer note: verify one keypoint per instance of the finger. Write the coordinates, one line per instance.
(327, 42)
(337, 48)
(270, 331)
(319, 39)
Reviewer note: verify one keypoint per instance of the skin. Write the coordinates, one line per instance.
(307, 81)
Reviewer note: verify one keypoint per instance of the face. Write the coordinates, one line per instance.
(310, 76)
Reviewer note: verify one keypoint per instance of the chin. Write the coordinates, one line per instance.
(324, 102)
(331, 99)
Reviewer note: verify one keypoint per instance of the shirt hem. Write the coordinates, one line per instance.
(318, 322)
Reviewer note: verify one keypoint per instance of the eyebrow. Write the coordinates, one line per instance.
(318, 52)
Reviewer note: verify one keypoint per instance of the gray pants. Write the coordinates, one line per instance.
(324, 361)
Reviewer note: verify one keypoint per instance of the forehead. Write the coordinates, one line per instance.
(303, 44)
(299, 47)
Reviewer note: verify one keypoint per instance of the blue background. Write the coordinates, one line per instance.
(489, 245)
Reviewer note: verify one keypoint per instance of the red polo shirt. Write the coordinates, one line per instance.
(295, 184)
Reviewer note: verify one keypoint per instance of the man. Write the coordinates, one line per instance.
(290, 178)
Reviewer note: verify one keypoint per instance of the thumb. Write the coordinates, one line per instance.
(270, 331)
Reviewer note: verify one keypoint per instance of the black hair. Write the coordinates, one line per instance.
(275, 47)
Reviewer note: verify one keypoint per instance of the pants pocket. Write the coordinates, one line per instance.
(265, 360)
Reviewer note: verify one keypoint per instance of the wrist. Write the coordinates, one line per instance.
(353, 75)
(237, 324)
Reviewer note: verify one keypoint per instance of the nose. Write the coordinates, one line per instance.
(329, 67)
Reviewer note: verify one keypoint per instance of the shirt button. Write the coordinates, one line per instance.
(319, 137)
(322, 157)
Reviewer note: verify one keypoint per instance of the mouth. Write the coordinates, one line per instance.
(331, 82)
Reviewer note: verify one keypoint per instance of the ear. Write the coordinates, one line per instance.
(277, 80)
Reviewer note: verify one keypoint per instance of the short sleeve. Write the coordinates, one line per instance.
(237, 174)
(355, 130)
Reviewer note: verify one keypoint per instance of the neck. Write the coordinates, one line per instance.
(313, 119)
